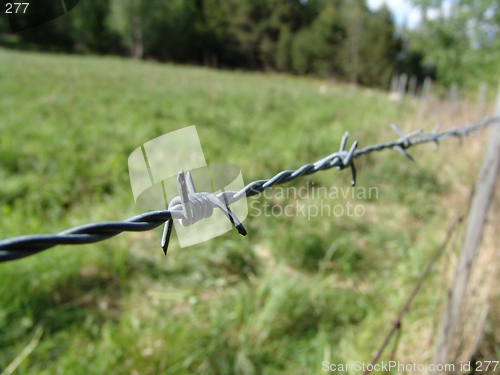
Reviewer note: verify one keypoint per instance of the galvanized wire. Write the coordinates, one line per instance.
(22, 246)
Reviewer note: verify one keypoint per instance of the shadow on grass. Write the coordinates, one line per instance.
(92, 294)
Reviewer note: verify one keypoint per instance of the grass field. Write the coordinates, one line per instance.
(295, 292)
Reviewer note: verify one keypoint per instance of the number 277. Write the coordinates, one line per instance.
(9, 7)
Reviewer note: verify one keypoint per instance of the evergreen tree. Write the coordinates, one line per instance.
(340, 38)
(379, 49)
(89, 30)
(355, 17)
(136, 21)
(329, 33)
(283, 50)
(302, 52)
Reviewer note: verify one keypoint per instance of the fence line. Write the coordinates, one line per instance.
(453, 319)
(396, 325)
(22, 246)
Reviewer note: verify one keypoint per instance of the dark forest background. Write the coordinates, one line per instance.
(339, 39)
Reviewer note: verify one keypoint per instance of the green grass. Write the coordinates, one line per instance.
(293, 293)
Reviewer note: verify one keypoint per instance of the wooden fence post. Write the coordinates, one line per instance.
(412, 86)
(454, 99)
(426, 90)
(446, 352)
(403, 79)
(482, 100)
(394, 84)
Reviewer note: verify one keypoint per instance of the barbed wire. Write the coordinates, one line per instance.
(190, 206)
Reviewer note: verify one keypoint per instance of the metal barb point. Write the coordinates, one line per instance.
(186, 188)
(346, 157)
(165, 237)
(190, 183)
(184, 195)
(353, 172)
(236, 223)
(403, 151)
(232, 217)
(435, 134)
(343, 141)
(405, 139)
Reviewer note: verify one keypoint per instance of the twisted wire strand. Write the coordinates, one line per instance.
(23, 246)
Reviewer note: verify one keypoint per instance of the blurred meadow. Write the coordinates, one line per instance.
(295, 292)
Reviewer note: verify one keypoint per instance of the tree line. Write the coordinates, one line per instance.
(332, 38)
(340, 39)
(458, 40)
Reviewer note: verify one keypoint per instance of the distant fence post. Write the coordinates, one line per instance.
(403, 79)
(447, 351)
(454, 99)
(394, 84)
(482, 100)
(426, 89)
(412, 86)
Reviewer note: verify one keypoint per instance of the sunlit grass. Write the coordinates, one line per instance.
(294, 292)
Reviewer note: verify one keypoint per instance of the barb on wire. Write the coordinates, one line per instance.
(434, 135)
(191, 206)
(195, 207)
(404, 141)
